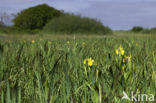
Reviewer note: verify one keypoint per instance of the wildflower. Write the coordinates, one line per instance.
(83, 43)
(120, 48)
(120, 51)
(124, 60)
(89, 61)
(129, 58)
(33, 41)
(68, 42)
(123, 68)
(85, 61)
(117, 51)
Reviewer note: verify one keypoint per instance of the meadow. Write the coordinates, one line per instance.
(76, 69)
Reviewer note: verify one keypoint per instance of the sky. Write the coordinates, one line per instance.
(116, 14)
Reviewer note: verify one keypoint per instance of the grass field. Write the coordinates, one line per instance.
(76, 69)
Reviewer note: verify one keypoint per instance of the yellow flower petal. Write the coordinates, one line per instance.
(33, 41)
(123, 68)
(83, 43)
(89, 61)
(117, 51)
(124, 60)
(68, 42)
(122, 52)
(85, 61)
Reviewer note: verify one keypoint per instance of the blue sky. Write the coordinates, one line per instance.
(117, 14)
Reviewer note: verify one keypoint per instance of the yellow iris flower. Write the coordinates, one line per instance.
(123, 68)
(89, 61)
(124, 60)
(68, 42)
(120, 51)
(33, 41)
(117, 51)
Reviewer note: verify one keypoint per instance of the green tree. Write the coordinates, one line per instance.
(76, 24)
(137, 29)
(36, 17)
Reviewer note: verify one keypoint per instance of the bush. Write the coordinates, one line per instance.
(153, 30)
(5, 30)
(35, 17)
(150, 31)
(76, 24)
(15, 30)
(144, 30)
(137, 29)
(1, 24)
(9, 30)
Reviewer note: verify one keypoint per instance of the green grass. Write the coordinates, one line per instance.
(52, 69)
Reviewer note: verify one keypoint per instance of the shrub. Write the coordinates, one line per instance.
(76, 24)
(15, 30)
(137, 29)
(146, 31)
(9, 30)
(35, 17)
(153, 30)
(1, 24)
